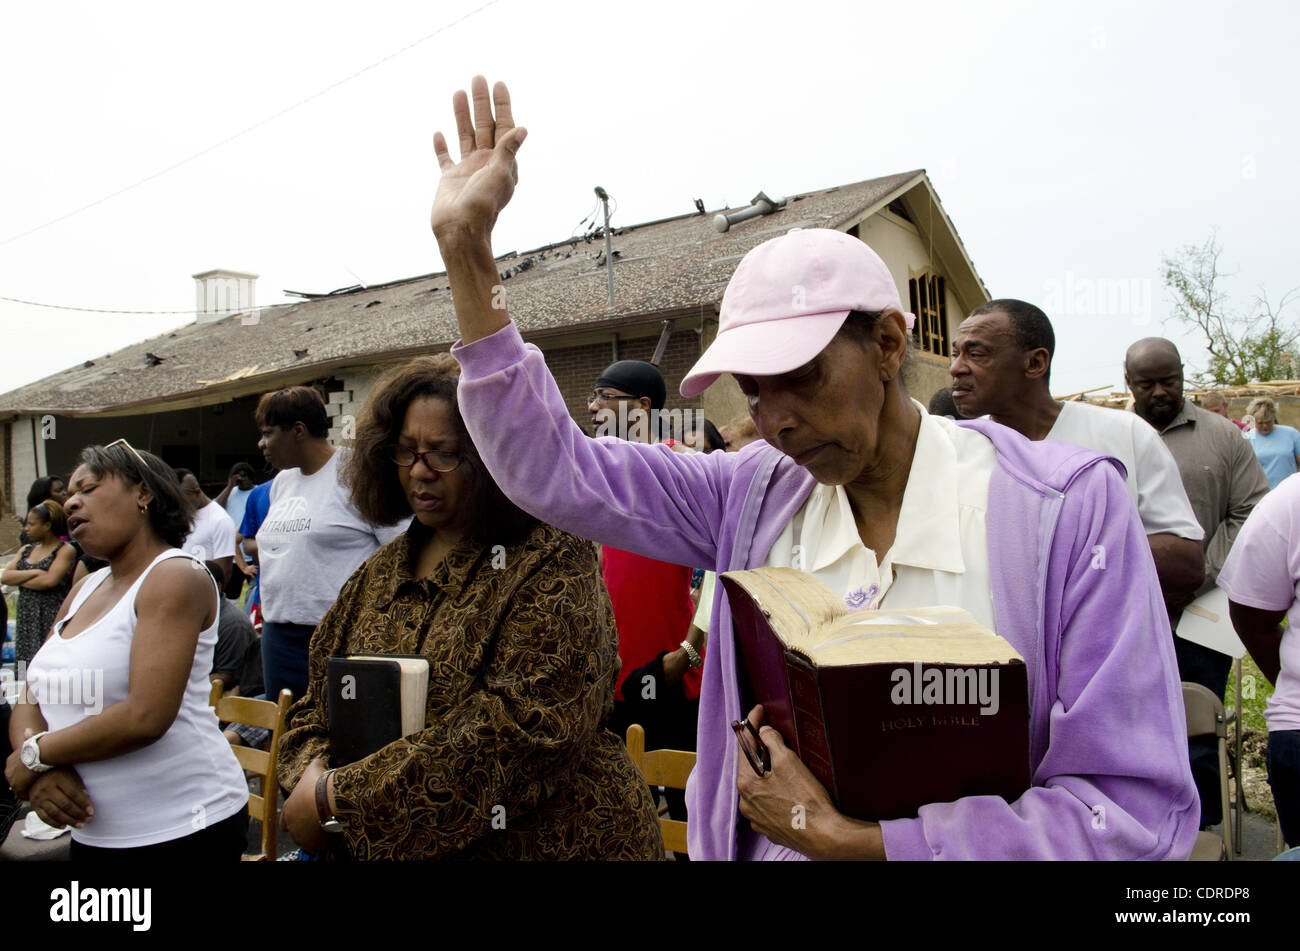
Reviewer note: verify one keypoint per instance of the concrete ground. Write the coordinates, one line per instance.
(19, 848)
(1258, 838)
(1257, 834)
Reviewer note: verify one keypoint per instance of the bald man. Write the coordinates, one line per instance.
(1224, 481)
(1220, 472)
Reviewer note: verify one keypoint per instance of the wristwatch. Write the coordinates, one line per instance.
(328, 821)
(693, 658)
(31, 754)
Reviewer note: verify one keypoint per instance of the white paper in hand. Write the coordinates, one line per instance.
(1205, 621)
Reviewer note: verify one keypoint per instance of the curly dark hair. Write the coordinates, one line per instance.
(40, 490)
(170, 512)
(372, 477)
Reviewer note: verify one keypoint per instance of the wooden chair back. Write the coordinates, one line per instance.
(263, 804)
(668, 768)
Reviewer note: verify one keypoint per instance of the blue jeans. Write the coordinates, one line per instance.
(1284, 778)
(284, 658)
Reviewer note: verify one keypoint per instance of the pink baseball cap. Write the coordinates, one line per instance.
(788, 298)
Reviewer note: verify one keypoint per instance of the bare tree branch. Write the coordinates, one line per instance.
(1243, 346)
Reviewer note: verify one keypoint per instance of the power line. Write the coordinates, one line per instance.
(110, 310)
(237, 135)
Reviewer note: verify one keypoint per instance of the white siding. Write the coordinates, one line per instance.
(29, 460)
(357, 386)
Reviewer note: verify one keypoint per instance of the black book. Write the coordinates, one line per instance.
(374, 700)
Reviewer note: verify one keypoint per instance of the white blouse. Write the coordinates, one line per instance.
(940, 553)
(183, 782)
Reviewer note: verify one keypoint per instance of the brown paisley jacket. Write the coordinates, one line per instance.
(515, 762)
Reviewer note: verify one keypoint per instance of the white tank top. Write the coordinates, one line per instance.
(185, 781)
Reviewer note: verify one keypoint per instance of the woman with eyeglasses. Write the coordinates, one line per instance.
(114, 735)
(514, 761)
(41, 571)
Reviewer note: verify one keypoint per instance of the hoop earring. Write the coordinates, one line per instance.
(144, 510)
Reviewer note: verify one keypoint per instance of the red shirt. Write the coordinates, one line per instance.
(652, 608)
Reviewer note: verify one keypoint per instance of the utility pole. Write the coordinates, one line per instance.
(609, 244)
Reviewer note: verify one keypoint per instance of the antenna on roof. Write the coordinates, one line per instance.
(609, 244)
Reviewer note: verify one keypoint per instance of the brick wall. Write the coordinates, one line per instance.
(26, 450)
(344, 405)
(576, 368)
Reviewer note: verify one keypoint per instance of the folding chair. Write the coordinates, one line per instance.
(262, 805)
(1206, 622)
(1238, 723)
(1205, 716)
(668, 768)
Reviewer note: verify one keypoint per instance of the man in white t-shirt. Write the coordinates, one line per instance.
(1001, 361)
(239, 485)
(212, 533)
(312, 538)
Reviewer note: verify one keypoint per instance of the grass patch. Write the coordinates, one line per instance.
(1255, 690)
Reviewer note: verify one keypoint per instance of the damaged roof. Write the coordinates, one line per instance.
(672, 267)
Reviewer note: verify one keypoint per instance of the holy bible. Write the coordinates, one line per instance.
(889, 709)
(373, 700)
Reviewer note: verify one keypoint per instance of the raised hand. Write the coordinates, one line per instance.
(473, 191)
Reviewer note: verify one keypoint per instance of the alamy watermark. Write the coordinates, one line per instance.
(86, 904)
(639, 425)
(946, 686)
(1077, 296)
(66, 686)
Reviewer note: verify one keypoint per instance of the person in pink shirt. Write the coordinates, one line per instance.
(1261, 578)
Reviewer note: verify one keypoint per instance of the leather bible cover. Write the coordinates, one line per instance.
(365, 714)
(878, 759)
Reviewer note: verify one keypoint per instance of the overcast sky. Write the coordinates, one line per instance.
(1071, 143)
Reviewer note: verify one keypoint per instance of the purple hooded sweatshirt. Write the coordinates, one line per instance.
(1074, 591)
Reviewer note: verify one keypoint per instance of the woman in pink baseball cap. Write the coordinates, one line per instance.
(855, 483)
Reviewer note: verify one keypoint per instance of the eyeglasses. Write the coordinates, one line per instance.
(435, 459)
(123, 442)
(604, 399)
(754, 749)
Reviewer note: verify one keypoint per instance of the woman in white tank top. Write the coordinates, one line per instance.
(116, 738)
